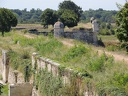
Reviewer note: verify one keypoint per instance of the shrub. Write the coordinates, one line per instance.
(97, 63)
(48, 46)
(74, 52)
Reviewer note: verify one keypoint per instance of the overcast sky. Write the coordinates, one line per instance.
(53, 4)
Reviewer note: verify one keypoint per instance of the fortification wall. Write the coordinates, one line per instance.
(23, 89)
(16, 88)
(53, 67)
(5, 65)
(82, 35)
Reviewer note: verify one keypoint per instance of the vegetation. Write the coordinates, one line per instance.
(4, 90)
(69, 18)
(121, 21)
(99, 72)
(28, 17)
(33, 16)
(102, 15)
(48, 17)
(7, 20)
(69, 13)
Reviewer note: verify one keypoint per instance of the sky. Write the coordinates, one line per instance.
(53, 4)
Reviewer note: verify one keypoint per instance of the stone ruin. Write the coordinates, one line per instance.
(53, 67)
(5, 66)
(89, 36)
(85, 35)
(15, 89)
(27, 89)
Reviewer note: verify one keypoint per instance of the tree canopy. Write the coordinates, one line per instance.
(33, 15)
(122, 23)
(7, 20)
(48, 17)
(69, 5)
(69, 13)
(100, 14)
(24, 16)
(69, 18)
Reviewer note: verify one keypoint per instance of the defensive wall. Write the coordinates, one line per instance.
(26, 89)
(85, 35)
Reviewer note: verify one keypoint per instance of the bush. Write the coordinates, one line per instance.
(48, 46)
(98, 63)
(104, 32)
(74, 52)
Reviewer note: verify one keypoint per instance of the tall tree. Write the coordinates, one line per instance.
(122, 23)
(70, 5)
(69, 18)
(7, 20)
(69, 13)
(48, 17)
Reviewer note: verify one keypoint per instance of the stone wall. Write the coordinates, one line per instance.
(53, 67)
(82, 35)
(5, 65)
(17, 88)
(23, 89)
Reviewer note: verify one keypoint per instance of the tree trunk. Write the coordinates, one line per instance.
(3, 33)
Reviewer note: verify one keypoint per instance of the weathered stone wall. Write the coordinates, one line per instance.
(23, 89)
(82, 35)
(53, 67)
(5, 65)
(19, 88)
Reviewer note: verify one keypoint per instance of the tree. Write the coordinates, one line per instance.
(69, 18)
(69, 5)
(7, 20)
(69, 13)
(48, 17)
(24, 16)
(122, 23)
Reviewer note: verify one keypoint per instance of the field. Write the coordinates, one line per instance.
(104, 73)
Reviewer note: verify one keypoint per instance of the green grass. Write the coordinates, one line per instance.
(5, 90)
(106, 38)
(81, 58)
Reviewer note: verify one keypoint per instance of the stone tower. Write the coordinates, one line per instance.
(58, 29)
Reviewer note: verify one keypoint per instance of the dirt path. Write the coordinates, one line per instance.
(117, 57)
(67, 42)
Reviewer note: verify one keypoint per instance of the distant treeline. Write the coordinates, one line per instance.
(102, 15)
(24, 16)
(33, 16)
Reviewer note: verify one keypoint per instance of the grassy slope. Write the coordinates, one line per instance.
(102, 68)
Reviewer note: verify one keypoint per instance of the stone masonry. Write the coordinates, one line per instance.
(89, 36)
